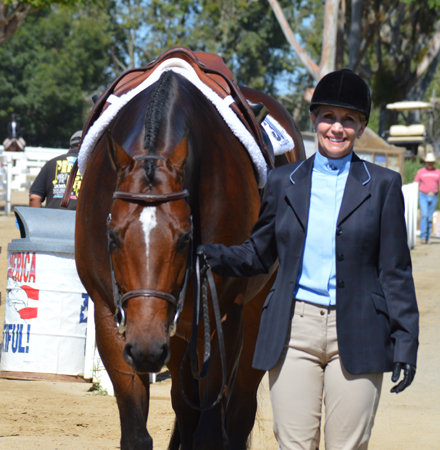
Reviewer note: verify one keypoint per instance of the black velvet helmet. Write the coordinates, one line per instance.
(345, 89)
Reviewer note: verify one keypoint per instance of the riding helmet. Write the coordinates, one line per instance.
(345, 89)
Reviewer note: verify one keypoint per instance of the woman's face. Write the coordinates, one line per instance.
(337, 128)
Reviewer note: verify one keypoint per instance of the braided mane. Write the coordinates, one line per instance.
(153, 118)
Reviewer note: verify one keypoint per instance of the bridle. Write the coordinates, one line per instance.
(149, 200)
(201, 310)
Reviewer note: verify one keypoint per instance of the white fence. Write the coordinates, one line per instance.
(410, 194)
(19, 169)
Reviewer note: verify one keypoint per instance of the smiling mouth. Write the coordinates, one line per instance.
(336, 141)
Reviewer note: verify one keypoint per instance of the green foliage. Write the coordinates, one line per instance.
(246, 34)
(49, 71)
(411, 168)
(37, 4)
(433, 4)
(395, 37)
(97, 389)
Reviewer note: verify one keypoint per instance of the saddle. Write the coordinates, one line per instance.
(211, 70)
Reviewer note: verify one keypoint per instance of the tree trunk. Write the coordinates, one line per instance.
(11, 19)
(354, 39)
(329, 38)
(309, 64)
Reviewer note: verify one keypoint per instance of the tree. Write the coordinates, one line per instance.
(244, 33)
(13, 13)
(50, 70)
(394, 44)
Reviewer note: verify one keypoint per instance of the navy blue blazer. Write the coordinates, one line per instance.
(376, 308)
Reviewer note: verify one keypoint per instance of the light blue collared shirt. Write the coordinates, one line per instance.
(316, 281)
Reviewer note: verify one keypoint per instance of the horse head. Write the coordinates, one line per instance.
(149, 232)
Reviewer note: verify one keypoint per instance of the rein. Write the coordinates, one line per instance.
(203, 277)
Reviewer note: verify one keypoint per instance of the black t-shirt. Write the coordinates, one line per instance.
(51, 182)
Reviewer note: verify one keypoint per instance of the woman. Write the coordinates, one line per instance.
(342, 309)
(429, 181)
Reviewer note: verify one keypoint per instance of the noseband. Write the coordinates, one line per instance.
(148, 200)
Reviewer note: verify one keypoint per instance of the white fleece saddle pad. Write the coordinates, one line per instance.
(281, 140)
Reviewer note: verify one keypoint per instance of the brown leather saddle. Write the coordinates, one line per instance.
(211, 70)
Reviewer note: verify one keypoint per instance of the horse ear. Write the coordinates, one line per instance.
(180, 153)
(119, 158)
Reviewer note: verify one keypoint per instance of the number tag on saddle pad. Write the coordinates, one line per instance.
(281, 140)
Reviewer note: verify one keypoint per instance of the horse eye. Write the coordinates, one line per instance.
(184, 239)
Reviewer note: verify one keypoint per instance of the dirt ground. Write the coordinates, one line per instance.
(65, 415)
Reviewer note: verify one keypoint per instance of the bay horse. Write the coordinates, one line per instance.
(167, 175)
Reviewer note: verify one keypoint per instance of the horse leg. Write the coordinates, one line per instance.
(242, 399)
(211, 432)
(132, 390)
(175, 437)
(187, 418)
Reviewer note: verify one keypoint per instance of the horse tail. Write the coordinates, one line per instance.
(175, 437)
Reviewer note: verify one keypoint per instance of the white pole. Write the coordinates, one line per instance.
(90, 341)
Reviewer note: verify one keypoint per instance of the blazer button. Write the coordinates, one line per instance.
(340, 257)
(338, 231)
(341, 284)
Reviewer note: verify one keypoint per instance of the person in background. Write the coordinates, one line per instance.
(343, 309)
(14, 129)
(429, 181)
(51, 182)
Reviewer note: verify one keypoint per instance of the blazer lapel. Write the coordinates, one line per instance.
(357, 189)
(298, 193)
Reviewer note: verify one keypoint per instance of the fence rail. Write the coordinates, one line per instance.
(19, 169)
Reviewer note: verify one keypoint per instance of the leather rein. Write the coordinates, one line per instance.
(203, 277)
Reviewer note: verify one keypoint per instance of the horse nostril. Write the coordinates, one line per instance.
(128, 354)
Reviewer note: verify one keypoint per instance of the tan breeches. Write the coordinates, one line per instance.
(309, 371)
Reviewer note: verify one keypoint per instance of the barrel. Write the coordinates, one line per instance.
(46, 309)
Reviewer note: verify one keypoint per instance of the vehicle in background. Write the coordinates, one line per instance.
(416, 137)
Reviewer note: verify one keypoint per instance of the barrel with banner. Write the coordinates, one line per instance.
(46, 310)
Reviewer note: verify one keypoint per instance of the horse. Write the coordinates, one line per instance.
(167, 175)
(14, 145)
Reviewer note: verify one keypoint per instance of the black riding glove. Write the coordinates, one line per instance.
(409, 372)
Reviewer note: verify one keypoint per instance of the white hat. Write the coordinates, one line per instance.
(430, 157)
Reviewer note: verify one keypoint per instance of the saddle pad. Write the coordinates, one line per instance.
(222, 105)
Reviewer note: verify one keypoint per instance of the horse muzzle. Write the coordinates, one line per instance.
(149, 361)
